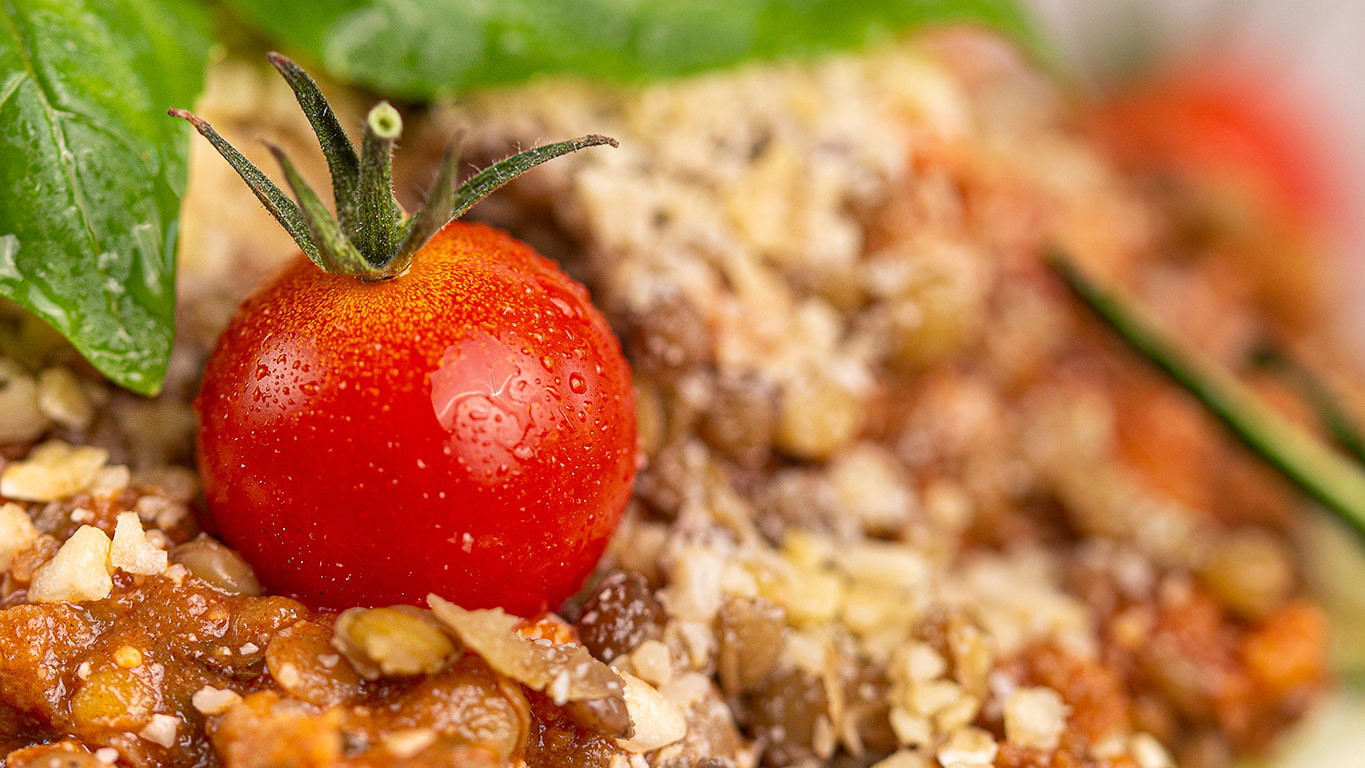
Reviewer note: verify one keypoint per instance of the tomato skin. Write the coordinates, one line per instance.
(467, 428)
(1222, 122)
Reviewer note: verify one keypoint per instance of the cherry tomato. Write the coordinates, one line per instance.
(1228, 126)
(1245, 170)
(466, 428)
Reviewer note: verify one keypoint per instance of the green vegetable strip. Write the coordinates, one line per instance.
(342, 161)
(272, 197)
(1326, 476)
(334, 249)
(1329, 412)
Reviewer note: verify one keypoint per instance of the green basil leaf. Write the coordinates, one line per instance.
(432, 48)
(92, 169)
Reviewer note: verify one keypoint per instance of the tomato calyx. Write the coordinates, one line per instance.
(371, 237)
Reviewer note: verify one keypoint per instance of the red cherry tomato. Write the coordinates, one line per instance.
(1247, 171)
(1229, 126)
(466, 428)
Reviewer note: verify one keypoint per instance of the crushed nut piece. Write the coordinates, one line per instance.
(132, 552)
(1035, 717)
(78, 572)
(973, 746)
(54, 470)
(21, 420)
(61, 399)
(214, 701)
(658, 721)
(903, 758)
(407, 743)
(161, 730)
(16, 533)
(1148, 752)
(652, 662)
(492, 634)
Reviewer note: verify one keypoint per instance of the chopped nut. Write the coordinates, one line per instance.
(903, 758)
(214, 701)
(815, 597)
(658, 721)
(54, 470)
(132, 552)
(391, 642)
(16, 533)
(973, 746)
(932, 696)
(817, 415)
(21, 420)
(694, 593)
(287, 675)
(408, 742)
(871, 487)
(911, 730)
(78, 572)
(110, 481)
(885, 564)
(1035, 717)
(492, 634)
(161, 730)
(164, 512)
(61, 399)
(958, 714)
(1148, 752)
(652, 663)
(921, 662)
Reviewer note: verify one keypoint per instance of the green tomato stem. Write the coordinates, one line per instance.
(342, 162)
(285, 211)
(336, 252)
(435, 212)
(372, 217)
(1330, 479)
(370, 238)
(447, 203)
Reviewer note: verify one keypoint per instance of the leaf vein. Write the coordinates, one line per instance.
(54, 125)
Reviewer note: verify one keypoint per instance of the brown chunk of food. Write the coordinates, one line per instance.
(466, 715)
(621, 613)
(102, 672)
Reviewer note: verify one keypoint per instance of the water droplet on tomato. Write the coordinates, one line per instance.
(577, 384)
(262, 371)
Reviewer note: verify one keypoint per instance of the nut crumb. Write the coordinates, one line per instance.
(214, 701)
(161, 730)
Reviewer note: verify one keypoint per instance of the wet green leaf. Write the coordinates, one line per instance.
(92, 169)
(427, 49)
